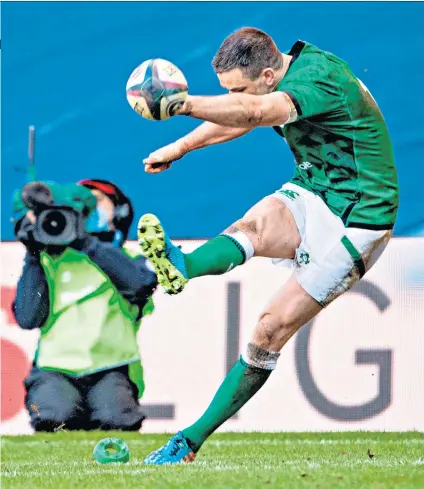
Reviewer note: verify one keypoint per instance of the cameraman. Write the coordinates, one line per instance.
(87, 295)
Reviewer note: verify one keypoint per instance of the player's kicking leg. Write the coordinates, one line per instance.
(267, 230)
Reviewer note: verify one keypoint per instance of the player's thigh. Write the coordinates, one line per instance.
(289, 309)
(271, 228)
(330, 258)
(328, 276)
(113, 401)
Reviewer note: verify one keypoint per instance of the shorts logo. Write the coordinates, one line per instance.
(305, 165)
(290, 194)
(303, 258)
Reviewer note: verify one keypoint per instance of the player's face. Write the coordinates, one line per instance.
(235, 81)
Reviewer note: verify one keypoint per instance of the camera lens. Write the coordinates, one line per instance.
(54, 223)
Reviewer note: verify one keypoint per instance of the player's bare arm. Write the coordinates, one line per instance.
(209, 133)
(242, 110)
(205, 135)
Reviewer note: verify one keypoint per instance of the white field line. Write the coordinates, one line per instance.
(140, 442)
(201, 466)
(364, 441)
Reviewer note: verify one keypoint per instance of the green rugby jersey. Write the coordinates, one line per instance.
(340, 140)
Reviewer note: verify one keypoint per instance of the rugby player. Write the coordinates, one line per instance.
(330, 222)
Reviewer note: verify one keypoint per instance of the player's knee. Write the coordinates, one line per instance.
(248, 226)
(263, 223)
(253, 228)
(273, 330)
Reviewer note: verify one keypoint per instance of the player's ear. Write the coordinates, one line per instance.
(268, 75)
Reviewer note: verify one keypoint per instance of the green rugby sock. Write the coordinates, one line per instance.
(241, 383)
(215, 257)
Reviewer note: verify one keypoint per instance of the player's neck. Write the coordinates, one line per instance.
(281, 73)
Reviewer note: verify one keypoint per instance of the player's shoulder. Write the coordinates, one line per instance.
(309, 62)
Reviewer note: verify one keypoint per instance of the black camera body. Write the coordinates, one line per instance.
(58, 225)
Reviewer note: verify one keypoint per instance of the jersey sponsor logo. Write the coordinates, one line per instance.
(291, 194)
(305, 165)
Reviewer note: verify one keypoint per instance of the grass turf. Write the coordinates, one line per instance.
(234, 460)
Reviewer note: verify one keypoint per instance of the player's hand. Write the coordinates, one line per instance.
(162, 159)
(156, 167)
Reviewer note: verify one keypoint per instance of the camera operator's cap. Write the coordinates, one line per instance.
(124, 212)
(110, 189)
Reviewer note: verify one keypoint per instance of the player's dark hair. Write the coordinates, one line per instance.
(249, 49)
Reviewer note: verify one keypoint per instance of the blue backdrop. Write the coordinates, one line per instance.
(65, 67)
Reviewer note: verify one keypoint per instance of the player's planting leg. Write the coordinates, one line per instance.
(289, 310)
(268, 229)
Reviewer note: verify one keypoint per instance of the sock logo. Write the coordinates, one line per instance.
(230, 267)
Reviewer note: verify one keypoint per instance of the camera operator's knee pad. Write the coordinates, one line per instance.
(113, 402)
(52, 401)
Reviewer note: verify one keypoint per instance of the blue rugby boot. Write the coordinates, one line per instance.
(175, 451)
(166, 258)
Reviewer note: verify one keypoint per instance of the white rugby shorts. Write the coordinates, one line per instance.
(330, 258)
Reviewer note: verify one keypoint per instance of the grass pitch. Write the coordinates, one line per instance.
(234, 460)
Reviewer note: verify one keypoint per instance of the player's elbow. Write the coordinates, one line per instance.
(272, 110)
